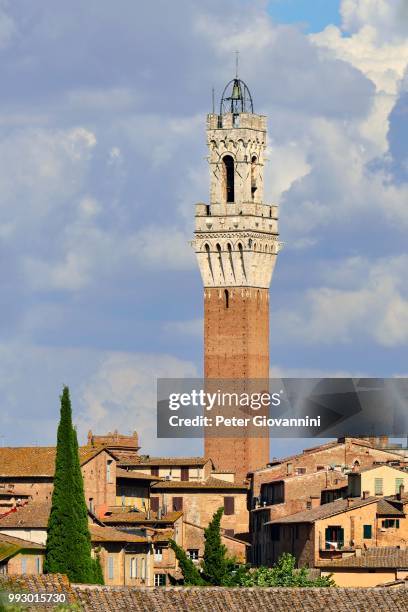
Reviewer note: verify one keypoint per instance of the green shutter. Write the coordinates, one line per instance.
(340, 537)
(367, 532)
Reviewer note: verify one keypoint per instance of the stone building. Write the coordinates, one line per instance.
(236, 244)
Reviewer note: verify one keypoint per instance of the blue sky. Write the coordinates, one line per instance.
(315, 15)
(102, 158)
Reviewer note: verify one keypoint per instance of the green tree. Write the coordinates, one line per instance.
(216, 566)
(68, 548)
(191, 574)
(97, 570)
(284, 574)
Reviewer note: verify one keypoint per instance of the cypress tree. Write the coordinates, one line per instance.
(68, 548)
(215, 563)
(191, 575)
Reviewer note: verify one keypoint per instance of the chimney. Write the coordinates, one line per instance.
(90, 437)
(315, 500)
(366, 494)
(401, 492)
(358, 551)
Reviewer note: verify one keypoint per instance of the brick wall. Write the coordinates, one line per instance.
(236, 346)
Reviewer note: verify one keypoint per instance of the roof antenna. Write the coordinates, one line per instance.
(236, 63)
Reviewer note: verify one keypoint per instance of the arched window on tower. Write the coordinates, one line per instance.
(226, 298)
(228, 175)
(254, 171)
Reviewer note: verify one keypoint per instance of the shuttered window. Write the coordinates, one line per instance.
(177, 504)
(378, 486)
(154, 471)
(110, 568)
(229, 505)
(184, 473)
(154, 504)
(367, 532)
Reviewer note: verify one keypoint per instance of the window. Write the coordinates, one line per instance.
(154, 471)
(229, 505)
(319, 468)
(177, 504)
(308, 505)
(300, 470)
(334, 537)
(133, 567)
(154, 504)
(367, 532)
(23, 565)
(228, 174)
(193, 554)
(185, 473)
(159, 580)
(289, 468)
(143, 568)
(390, 524)
(110, 567)
(91, 504)
(398, 483)
(38, 565)
(158, 553)
(378, 486)
(108, 470)
(226, 298)
(253, 176)
(229, 532)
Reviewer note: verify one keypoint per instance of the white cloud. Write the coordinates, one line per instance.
(122, 395)
(375, 308)
(194, 327)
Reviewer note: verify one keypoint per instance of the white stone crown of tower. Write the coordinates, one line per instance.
(236, 235)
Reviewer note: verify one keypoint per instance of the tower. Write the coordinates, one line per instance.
(236, 244)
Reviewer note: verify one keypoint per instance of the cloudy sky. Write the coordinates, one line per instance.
(102, 157)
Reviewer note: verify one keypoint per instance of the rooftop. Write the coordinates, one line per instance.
(325, 511)
(213, 599)
(36, 460)
(10, 545)
(32, 516)
(390, 557)
(165, 461)
(210, 483)
(118, 516)
(121, 473)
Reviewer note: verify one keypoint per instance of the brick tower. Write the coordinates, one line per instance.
(236, 243)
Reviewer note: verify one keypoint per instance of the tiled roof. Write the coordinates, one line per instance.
(389, 557)
(31, 516)
(109, 534)
(120, 473)
(48, 583)
(166, 461)
(325, 511)
(388, 509)
(9, 546)
(215, 599)
(36, 460)
(370, 468)
(117, 516)
(210, 483)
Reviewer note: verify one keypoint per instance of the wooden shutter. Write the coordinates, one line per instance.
(229, 505)
(154, 504)
(154, 471)
(177, 504)
(184, 473)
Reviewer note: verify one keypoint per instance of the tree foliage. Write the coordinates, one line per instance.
(191, 574)
(68, 548)
(284, 574)
(215, 566)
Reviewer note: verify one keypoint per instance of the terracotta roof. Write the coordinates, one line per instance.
(370, 468)
(210, 483)
(32, 516)
(117, 516)
(109, 534)
(39, 583)
(387, 508)
(214, 599)
(120, 473)
(37, 460)
(327, 445)
(325, 511)
(166, 461)
(9, 546)
(382, 557)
